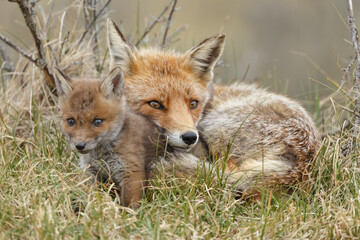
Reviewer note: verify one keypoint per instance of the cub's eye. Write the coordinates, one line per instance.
(193, 104)
(97, 122)
(155, 104)
(70, 122)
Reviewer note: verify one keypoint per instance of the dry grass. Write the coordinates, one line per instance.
(38, 180)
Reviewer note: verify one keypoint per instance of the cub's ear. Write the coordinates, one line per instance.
(204, 56)
(63, 83)
(113, 83)
(122, 53)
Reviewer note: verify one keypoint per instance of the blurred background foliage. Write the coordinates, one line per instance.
(269, 42)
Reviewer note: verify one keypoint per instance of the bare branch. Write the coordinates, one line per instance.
(168, 23)
(27, 8)
(92, 22)
(355, 41)
(350, 111)
(9, 65)
(19, 50)
(146, 32)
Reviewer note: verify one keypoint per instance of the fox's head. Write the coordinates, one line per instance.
(92, 110)
(169, 88)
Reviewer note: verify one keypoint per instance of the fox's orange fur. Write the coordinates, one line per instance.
(258, 133)
(151, 77)
(179, 83)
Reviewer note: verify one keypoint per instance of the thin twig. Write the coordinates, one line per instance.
(9, 65)
(19, 50)
(346, 71)
(174, 34)
(86, 16)
(350, 111)
(355, 41)
(146, 32)
(94, 34)
(92, 22)
(168, 23)
(23, 70)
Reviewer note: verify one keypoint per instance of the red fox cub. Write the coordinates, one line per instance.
(114, 143)
(257, 133)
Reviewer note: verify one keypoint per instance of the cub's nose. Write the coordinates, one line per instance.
(189, 137)
(80, 146)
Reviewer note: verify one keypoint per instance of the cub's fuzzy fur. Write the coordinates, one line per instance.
(257, 133)
(114, 142)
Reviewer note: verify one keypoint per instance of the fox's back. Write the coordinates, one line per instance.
(259, 127)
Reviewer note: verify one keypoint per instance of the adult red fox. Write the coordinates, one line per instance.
(257, 133)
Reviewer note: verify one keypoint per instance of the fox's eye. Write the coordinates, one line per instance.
(97, 122)
(70, 122)
(155, 104)
(193, 104)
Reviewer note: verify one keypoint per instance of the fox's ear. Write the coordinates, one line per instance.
(63, 82)
(122, 53)
(113, 83)
(204, 56)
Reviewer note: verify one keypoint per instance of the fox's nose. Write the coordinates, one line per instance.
(80, 146)
(189, 137)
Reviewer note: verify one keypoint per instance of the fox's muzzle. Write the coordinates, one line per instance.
(182, 140)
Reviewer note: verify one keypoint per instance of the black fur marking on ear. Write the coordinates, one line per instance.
(121, 35)
(118, 58)
(118, 31)
(111, 44)
(211, 58)
(115, 80)
(62, 82)
(208, 62)
(218, 36)
(116, 83)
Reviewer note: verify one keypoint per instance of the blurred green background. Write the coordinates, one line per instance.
(261, 35)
